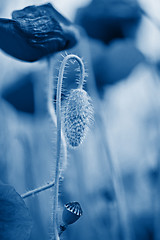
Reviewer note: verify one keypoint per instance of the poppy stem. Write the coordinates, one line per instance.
(62, 229)
(59, 130)
(152, 19)
(51, 108)
(38, 190)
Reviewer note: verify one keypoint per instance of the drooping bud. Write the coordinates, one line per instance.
(77, 116)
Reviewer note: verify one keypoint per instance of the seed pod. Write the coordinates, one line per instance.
(77, 116)
(72, 212)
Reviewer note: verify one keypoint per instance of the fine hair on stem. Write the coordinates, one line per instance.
(59, 129)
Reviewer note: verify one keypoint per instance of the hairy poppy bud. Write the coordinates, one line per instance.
(77, 116)
(35, 32)
(72, 212)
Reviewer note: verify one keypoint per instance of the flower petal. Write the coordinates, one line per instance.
(35, 32)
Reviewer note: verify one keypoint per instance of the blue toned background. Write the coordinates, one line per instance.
(115, 174)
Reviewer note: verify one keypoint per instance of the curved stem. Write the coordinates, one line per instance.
(81, 65)
(58, 113)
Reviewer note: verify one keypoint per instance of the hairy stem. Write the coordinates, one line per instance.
(38, 190)
(51, 108)
(59, 131)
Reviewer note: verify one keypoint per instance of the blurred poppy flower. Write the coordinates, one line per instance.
(114, 63)
(15, 220)
(35, 32)
(109, 20)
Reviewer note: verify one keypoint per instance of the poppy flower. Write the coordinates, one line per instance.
(109, 20)
(35, 32)
(15, 220)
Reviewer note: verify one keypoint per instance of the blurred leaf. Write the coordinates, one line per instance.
(15, 221)
(35, 32)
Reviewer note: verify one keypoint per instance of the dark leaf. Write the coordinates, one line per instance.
(35, 32)
(15, 221)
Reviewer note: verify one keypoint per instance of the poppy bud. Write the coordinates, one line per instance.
(77, 116)
(71, 213)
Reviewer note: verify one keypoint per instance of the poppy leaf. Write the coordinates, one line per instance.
(15, 220)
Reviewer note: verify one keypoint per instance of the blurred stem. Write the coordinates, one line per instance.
(115, 173)
(30, 181)
(118, 186)
(156, 193)
(153, 20)
(51, 108)
(59, 130)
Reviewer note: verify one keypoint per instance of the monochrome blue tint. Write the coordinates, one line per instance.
(112, 172)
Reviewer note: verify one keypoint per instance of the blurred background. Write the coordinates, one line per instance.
(115, 174)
